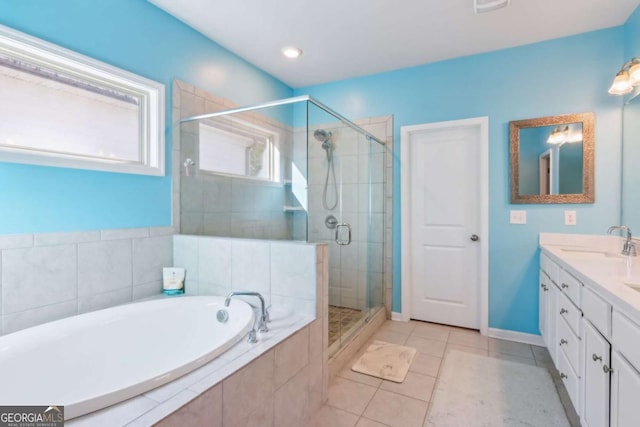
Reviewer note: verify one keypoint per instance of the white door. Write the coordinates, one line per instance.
(444, 210)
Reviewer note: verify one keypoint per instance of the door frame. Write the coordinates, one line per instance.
(406, 132)
(543, 171)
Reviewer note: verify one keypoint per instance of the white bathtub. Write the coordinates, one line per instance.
(94, 360)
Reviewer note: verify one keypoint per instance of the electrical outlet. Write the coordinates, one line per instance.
(570, 218)
(518, 217)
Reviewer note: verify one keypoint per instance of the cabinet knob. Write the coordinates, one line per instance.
(474, 238)
(563, 341)
(563, 311)
(607, 370)
(595, 357)
(563, 375)
(565, 286)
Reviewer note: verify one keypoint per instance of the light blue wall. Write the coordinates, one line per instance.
(138, 37)
(568, 75)
(632, 35)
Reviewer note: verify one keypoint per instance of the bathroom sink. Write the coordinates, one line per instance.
(590, 253)
(635, 285)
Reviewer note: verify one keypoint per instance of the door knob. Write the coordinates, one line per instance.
(474, 237)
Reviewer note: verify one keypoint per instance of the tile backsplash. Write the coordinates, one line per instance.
(45, 277)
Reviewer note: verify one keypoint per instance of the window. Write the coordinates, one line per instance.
(59, 108)
(238, 148)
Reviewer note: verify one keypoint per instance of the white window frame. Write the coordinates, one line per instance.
(152, 107)
(273, 162)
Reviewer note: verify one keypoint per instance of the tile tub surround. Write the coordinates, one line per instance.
(49, 276)
(249, 383)
(284, 272)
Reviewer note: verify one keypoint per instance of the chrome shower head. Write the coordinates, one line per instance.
(322, 135)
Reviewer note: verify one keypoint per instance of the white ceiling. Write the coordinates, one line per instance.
(349, 38)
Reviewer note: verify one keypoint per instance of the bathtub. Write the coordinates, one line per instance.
(94, 360)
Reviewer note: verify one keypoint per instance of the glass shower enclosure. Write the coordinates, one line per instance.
(293, 169)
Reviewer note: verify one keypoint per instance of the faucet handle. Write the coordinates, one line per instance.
(632, 249)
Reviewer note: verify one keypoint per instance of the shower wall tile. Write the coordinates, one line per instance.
(349, 198)
(250, 265)
(242, 196)
(191, 194)
(104, 300)
(217, 224)
(317, 170)
(25, 319)
(37, 277)
(104, 266)
(214, 260)
(216, 194)
(346, 169)
(191, 223)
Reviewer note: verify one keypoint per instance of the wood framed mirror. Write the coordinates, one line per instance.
(552, 159)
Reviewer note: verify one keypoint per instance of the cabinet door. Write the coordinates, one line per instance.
(542, 311)
(596, 379)
(625, 393)
(552, 345)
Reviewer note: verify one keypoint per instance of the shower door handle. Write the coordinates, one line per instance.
(343, 234)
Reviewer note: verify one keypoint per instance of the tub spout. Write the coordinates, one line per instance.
(264, 316)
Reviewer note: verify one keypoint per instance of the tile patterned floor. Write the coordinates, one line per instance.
(363, 401)
(341, 320)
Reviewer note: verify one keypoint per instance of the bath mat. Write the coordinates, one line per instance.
(387, 361)
(475, 391)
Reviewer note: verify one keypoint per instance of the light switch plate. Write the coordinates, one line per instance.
(570, 218)
(518, 217)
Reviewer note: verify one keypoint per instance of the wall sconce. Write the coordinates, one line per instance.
(558, 135)
(627, 78)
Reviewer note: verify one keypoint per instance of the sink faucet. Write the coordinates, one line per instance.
(264, 317)
(629, 248)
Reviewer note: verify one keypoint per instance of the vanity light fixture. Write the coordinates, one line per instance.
(627, 78)
(291, 52)
(558, 135)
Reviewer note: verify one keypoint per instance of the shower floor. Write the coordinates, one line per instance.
(342, 322)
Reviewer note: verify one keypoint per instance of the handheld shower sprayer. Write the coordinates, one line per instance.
(324, 136)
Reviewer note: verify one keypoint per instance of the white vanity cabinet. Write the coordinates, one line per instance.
(594, 344)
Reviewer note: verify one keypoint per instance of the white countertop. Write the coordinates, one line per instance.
(596, 261)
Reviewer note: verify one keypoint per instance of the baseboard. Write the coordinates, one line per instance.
(396, 316)
(516, 336)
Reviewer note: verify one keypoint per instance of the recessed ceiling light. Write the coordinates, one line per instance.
(291, 52)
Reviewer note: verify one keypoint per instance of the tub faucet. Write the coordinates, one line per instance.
(629, 247)
(264, 316)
